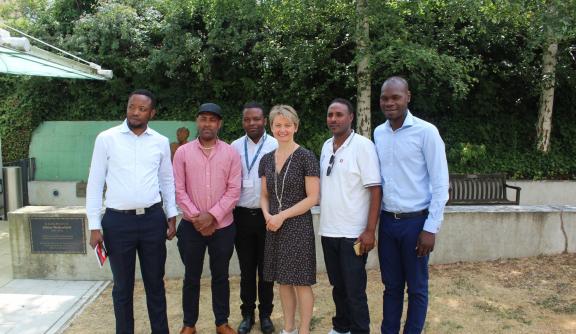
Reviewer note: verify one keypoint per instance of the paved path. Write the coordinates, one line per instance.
(39, 306)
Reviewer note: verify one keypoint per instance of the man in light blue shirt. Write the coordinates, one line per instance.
(415, 190)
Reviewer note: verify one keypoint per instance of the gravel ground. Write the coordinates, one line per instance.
(531, 295)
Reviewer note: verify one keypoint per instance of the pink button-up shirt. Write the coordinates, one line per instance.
(207, 183)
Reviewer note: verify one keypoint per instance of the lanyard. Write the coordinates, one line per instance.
(249, 166)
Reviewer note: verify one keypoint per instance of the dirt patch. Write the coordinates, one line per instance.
(532, 295)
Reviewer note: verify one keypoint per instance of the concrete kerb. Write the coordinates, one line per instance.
(69, 316)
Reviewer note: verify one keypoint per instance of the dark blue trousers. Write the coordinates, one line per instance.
(347, 275)
(124, 236)
(192, 246)
(400, 267)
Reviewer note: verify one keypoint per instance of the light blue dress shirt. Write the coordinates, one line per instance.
(414, 169)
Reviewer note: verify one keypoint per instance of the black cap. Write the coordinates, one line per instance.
(211, 108)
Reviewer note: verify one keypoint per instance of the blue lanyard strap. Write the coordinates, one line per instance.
(249, 166)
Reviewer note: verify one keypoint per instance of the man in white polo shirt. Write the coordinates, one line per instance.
(250, 222)
(349, 211)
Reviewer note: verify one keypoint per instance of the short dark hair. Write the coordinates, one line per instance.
(396, 80)
(345, 102)
(146, 93)
(254, 104)
(183, 129)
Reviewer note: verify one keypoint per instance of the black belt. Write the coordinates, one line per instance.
(404, 215)
(138, 211)
(249, 211)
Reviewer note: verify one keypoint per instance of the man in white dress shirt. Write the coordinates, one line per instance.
(250, 223)
(134, 163)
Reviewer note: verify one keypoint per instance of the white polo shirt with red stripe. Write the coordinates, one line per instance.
(344, 194)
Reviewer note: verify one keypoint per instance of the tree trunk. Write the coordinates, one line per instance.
(363, 123)
(544, 126)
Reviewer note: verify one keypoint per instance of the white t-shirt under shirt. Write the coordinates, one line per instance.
(344, 195)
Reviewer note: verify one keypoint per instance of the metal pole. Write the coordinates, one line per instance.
(12, 188)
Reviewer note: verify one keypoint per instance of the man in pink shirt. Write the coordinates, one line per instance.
(208, 173)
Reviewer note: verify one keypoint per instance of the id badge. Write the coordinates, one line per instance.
(247, 183)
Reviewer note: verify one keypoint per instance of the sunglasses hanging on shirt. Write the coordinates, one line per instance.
(330, 164)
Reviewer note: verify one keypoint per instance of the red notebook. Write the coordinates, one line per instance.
(101, 254)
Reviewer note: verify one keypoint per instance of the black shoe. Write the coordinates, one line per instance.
(246, 325)
(266, 325)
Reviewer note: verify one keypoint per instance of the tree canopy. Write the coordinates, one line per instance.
(474, 68)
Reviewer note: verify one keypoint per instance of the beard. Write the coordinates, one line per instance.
(133, 126)
(208, 135)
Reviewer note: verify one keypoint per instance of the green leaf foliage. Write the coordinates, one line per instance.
(474, 68)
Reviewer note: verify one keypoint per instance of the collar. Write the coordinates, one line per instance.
(125, 129)
(251, 141)
(408, 121)
(196, 142)
(347, 141)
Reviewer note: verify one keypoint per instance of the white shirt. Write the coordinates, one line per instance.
(414, 169)
(345, 197)
(136, 169)
(251, 183)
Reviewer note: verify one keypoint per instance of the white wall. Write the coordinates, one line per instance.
(546, 192)
(468, 234)
(533, 193)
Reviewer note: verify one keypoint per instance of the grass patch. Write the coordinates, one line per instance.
(558, 305)
(462, 286)
(518, 314)
(449, 326)
(315, 321)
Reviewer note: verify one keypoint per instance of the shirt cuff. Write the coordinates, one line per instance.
(94, 222)
(432, 226)
(216, 214)
(171, 211)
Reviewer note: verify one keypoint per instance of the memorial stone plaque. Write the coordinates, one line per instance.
(58, 235)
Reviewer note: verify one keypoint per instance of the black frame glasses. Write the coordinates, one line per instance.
(330, 164)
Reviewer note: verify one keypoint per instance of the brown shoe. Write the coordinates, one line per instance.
(224, 329)
(188, 330)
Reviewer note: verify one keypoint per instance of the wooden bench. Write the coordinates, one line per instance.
(480, 189)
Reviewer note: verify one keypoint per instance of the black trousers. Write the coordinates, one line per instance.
(192, 246)
(124, 236)
(347, 275)
(250, 237)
